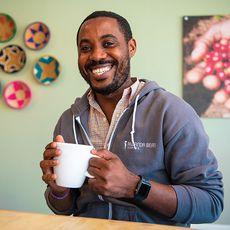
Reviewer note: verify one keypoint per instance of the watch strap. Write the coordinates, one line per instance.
(142, 189)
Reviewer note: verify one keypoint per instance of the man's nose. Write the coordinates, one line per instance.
(97, 54)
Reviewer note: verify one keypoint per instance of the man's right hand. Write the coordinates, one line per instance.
(49, 162)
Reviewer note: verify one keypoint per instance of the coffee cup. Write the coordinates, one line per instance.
(73, 164)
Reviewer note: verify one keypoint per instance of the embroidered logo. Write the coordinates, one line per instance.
(139, 145)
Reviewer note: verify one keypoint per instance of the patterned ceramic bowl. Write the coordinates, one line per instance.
(46, 69)
(17, 94)
(7, 28)
(12, 58)
(36, 36)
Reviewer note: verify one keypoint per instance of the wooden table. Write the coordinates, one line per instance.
(12, 220)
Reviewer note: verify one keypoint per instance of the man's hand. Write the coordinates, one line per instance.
(111, 177)
(48, 163)
(217, 32)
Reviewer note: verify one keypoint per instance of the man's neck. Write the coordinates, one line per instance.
(108, 102)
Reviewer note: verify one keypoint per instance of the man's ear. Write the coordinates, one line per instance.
(132, 47)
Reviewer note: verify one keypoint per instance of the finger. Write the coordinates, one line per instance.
(49, 178)
(51, 145)
(47, 165)
(105, 154)
(51, 153)
(97, 162)
(59, 138)
(95, 172)
(201, 48)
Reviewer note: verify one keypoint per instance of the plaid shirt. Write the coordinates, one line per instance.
(99, 128)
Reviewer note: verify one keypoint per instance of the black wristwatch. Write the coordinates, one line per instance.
(142, 189)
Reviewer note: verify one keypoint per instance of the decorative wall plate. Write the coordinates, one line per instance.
(7, 28)
(12, 58)
(17, 94)
(46, 69)
(36, 35)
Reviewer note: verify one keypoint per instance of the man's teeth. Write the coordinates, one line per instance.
(102, 70)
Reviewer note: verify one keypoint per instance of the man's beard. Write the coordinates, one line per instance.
(119, 79)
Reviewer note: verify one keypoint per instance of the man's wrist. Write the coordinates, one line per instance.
(142, 190)
(59, 195)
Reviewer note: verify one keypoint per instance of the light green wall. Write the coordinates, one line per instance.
(156, 26)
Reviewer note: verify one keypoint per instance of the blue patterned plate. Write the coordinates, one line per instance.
(46, 69)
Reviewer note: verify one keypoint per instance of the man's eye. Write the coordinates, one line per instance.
(85, 49)
(108, 44)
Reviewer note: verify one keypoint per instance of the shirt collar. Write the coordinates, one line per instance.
(128, 92)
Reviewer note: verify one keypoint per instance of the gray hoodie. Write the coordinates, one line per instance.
(160, 137)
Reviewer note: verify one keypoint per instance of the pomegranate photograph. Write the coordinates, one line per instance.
(206, 64)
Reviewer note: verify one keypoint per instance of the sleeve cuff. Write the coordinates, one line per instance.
(184, 204)
(67, 212)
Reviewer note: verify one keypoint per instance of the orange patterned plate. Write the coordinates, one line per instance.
(12, 58)
(7, 28)
(36, 35)
(17, 94)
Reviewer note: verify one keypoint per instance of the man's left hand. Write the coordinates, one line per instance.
(111, 177)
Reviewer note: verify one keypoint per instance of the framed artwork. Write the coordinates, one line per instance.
(206, 64)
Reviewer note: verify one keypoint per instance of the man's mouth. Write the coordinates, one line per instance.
(100, 71)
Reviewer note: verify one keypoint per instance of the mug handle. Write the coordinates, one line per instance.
(89, 175)
(86, 173)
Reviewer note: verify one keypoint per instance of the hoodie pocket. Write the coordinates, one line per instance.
(101, 210)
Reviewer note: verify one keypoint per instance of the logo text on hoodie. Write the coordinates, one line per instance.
(139, 145)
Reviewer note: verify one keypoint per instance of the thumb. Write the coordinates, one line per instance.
(59, 138)
(105, 154)
(201, 48)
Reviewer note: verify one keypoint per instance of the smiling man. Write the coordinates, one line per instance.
(155, 165)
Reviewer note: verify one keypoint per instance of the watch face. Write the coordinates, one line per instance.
(143, 189)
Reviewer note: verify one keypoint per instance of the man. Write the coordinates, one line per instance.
(154, 165)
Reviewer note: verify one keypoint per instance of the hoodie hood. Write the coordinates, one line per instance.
(81, 104)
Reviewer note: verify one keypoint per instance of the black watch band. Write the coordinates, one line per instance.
(142, 189)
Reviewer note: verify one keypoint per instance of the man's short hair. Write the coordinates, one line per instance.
(123, 23)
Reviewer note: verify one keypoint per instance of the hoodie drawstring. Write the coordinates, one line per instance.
(133, 122)
(74, 130)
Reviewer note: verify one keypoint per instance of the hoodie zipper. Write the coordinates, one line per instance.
(115, 127)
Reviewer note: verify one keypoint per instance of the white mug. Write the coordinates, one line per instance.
(73, 164)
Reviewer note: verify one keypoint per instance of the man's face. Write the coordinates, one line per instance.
(104, 55)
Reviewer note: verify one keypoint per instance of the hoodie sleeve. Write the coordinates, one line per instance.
(194, 174)
(66, 212)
